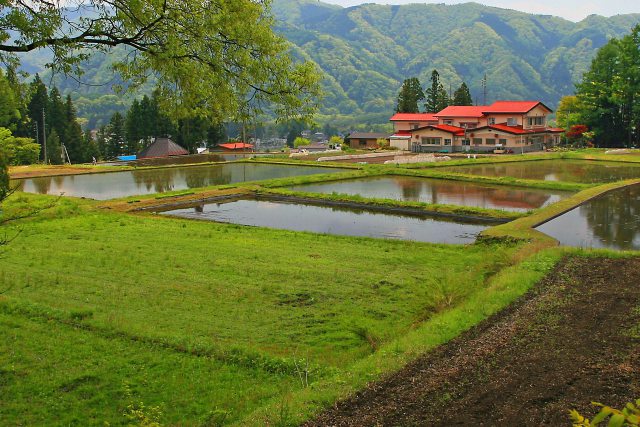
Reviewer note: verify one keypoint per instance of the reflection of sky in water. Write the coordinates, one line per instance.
(128, 183)
(440, 191)
(333, 220)
(609, 221)
(555, 170)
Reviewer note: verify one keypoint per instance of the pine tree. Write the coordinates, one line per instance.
(38, 103)
(92, 151)
(73, 137)
(442, 100)
(410, 95)
(116, 143)
(56, 117)
(433, 95)
(54, 149)
(134, 127)
(462, 96)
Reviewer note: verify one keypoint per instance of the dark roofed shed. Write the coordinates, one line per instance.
(162, 147)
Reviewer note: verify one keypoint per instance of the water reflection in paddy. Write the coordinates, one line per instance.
(584, 171)
(609, 221)
(136, 182)
(341, 221)
(440, 191)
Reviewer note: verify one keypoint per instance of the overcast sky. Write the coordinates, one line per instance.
(574, 10)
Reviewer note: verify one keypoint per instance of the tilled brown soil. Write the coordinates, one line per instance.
(573, 339)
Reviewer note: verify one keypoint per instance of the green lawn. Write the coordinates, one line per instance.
(198, 316)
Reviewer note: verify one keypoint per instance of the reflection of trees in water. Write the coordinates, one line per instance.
(615, 218)
(157, 180)
(410, 188)
(202, 177)
(42, 185)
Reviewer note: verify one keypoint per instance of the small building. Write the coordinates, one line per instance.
(365, 140)
(236, 146)
(162, 147)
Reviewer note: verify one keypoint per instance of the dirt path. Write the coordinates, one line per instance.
(574, 339)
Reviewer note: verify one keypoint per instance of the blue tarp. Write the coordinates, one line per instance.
(127, 158)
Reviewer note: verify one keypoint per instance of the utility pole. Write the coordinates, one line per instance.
(484, 89)
(44, 138)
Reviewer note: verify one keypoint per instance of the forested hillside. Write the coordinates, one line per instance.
(367, 51)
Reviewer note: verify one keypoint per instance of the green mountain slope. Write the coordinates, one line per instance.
(367, 51)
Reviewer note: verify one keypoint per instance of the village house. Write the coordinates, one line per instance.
(504, 126)
(365, 140)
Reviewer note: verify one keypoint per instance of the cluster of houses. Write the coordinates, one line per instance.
(504, 126)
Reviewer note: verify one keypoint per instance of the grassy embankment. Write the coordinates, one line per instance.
(101, 310)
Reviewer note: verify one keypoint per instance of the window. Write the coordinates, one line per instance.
(491, 120)
(477, 141)
(512, 121)
(466, 141)
(490, 141)
(430, 141)
(447, 142)
(363, 142)
(536, 121)
(502, 141)
(414, 125)
(448, 122)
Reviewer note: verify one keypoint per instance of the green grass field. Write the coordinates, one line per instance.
(99, 299)
(110, 317)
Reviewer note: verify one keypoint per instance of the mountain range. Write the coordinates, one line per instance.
(366, 51)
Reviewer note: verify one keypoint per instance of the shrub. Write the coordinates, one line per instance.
(18, 151)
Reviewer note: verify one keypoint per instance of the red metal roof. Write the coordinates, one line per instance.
(555, 130)
(447, 128)
(402, 133)
(414, 117)
(235, 145)
(462, 111)
(513, 107)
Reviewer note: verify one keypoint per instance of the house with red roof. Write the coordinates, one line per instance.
(517, 126)
(236, 146)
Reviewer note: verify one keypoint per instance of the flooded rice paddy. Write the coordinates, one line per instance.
(332, 220)
(440, 191)
(583, 171)
(112, 185)
(609, 221)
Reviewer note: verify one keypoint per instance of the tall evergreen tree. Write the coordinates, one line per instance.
(38, 103)
(442, 100)
(56, 117)
(54, 149)
(410, 95)
(73, 137)
(134, 127)
(433, 94)
(462, 96)
(116, 139)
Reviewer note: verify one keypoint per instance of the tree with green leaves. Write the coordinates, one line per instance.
(18, 150)
(54, 148)
(436, 96)
(212, 59)
(409, 97)
(609, 95)
(300, 141)
(9, 104)
(38, 103)
(116, 144)
(73, 136)
(462, 96)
